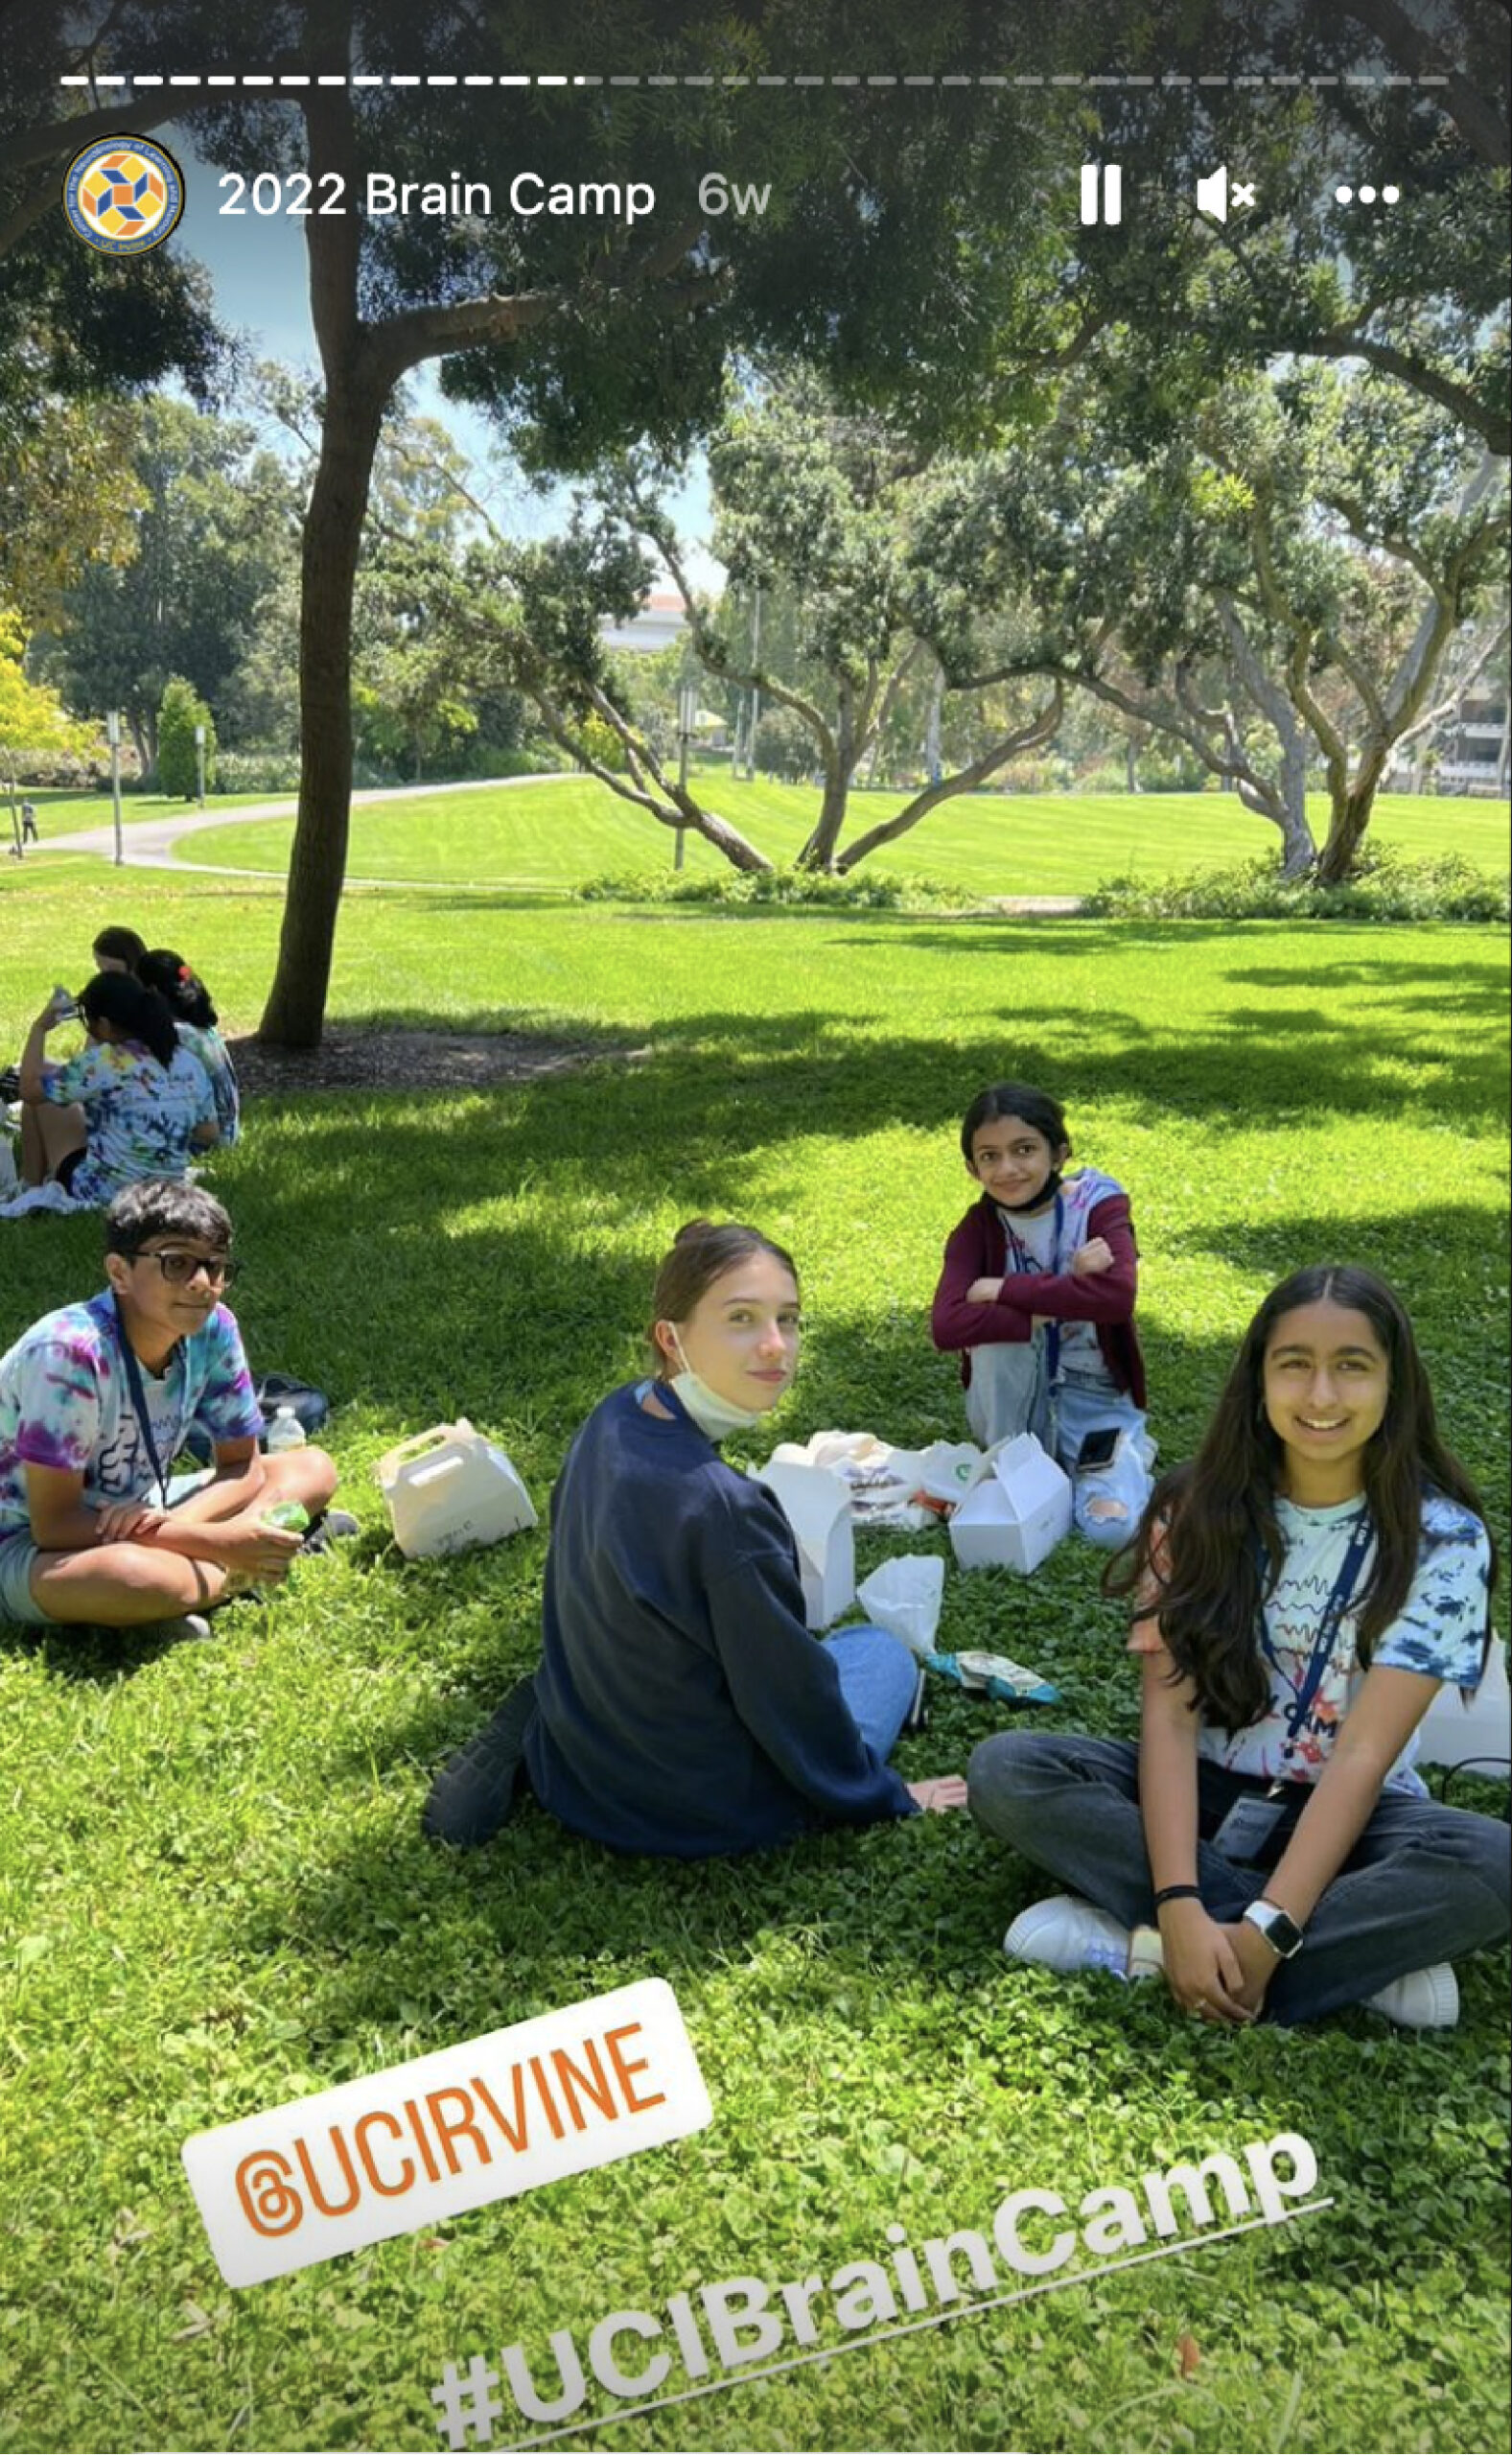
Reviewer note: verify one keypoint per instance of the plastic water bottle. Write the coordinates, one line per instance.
(284, 1432)
(290, 1515)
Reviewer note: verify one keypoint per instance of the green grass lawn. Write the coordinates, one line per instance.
(60, 813)
(551, 836)
(216, 1895)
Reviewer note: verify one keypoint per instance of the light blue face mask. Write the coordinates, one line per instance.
(716, 1418)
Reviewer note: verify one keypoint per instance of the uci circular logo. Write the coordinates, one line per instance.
(124, 195)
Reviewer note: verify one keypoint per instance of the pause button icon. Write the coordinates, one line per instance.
(1101, 192)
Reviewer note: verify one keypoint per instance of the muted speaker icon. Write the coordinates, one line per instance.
(1215, 196)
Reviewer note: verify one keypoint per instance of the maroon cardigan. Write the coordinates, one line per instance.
(978, 1249)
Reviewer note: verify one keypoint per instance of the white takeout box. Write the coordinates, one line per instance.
(1452, 1733)
(1017, 1513)
(817, 1505)
(451, 1489)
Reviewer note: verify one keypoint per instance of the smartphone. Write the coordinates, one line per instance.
(1098, 1449)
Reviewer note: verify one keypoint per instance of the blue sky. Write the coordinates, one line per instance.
(260, 273)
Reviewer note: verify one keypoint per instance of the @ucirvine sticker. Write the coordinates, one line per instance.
(124, 195)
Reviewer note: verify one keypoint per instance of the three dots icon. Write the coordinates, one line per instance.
(1366, 195)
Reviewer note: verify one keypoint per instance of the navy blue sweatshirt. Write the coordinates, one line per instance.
(682, 1706)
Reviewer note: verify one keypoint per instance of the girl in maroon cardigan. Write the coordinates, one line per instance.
(1037, 1292)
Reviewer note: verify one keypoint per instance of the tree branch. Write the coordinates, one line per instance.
(1039, 729)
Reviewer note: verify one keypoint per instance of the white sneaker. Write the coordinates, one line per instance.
(1067, 1934)
(190, 1624)
(1426, 1998)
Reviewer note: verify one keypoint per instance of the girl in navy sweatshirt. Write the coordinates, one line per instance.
(682, 1706)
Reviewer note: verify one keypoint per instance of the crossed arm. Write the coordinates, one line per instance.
(219, 1523)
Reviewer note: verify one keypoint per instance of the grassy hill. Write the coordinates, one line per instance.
(557, 835)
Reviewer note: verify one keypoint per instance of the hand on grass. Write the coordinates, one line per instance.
(938, 1797)
(1091, 1259)
(1203, 1968)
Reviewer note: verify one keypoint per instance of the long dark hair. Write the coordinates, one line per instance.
(165, 971)
(138, 1014)
(701, 1253)
(1209, 1549)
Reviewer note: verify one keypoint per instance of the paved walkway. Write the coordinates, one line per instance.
(148, 844)
(151, 844)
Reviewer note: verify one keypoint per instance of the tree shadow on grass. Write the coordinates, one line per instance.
(382, 1266)
(810, 1068)
(1473, 981)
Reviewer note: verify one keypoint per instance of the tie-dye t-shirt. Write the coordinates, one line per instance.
(140, 1115)
(65, 1402)
(216, 1059)
(1440, 1632)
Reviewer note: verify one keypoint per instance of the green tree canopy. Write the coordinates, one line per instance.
(216, 531)
(180, 715)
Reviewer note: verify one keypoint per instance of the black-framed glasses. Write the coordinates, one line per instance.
(180, 1268)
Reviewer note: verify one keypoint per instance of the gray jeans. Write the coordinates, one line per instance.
(1423, 1883)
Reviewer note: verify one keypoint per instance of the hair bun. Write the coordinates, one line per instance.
(692, 1228)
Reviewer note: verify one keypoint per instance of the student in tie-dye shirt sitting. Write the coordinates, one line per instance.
(134, 1103)
(1299, 1594)
(95, 1403)
(195, 1019)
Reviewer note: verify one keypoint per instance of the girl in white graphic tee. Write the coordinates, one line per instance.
(1300, 1592)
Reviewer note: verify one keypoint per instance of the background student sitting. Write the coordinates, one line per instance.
(126, 1108)
(95, 1403)
(195, 1019)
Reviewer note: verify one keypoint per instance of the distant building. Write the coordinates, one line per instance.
(1466, 754)
(659, 624)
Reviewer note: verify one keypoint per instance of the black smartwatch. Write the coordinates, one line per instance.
(1282, 1933)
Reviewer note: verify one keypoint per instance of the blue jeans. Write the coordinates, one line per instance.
(877, 1679)
(1423, 1883)
(1009, 1392)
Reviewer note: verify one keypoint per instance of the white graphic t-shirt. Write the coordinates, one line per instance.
(1439, 1632)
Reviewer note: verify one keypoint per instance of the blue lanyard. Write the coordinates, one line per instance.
(1362, 1534)
(1024, 1262)
(144, 1421)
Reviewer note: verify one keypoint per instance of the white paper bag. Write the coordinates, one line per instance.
(947, 1469)
(904, 1597)
(1452, 1733)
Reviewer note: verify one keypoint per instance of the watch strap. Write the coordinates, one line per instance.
(1279, 1927)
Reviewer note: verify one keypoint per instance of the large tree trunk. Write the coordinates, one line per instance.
(1284, 801)
(333, 537)
(1352, 805)
(818, 853)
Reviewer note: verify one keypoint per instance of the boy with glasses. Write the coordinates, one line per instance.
(95, 1403)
